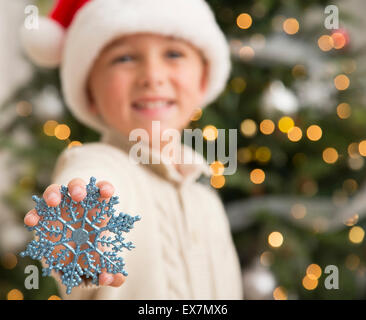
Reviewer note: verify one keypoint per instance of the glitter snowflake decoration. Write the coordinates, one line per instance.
(80, 238)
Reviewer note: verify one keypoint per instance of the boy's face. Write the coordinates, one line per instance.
(144, 77)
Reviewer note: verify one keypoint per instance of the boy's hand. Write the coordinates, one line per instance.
(77, 190)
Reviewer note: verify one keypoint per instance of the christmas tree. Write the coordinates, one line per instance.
(295, 201)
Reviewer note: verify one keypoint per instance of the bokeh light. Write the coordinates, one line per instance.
(291, 26)
(62, 132)
(244, 21)
(257, 176)
(267, 126)
(341, 82)
(294, 134)
(217, 181)
(314, 132)
(275, 239)
(314, 271)
(343, 110)
(217, 168)
(49, 127)
(248, 128)
(280, 293)
(14, 294)
(309, 283)
(356, 234)
(330, 155)
(285, 124)
(362, 148)
(210, 133)
(325, 43)
(263, 154)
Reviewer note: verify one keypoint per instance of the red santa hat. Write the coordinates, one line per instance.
(76, 31)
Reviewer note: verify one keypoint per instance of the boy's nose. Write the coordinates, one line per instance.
(152, 74)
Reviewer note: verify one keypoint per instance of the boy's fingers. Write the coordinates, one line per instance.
(77, 189)
(105, 279)
(31, 218)
(118, 280)
(106, 189)
(113, 280)
(52, 195)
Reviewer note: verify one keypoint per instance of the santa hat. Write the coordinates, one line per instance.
(76, 31)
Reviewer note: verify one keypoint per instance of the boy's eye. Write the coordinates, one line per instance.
(122, 59)
(174, 54)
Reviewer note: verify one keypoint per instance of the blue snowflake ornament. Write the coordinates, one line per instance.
(78, 237)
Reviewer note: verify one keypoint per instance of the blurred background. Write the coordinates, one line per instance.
(297, 202)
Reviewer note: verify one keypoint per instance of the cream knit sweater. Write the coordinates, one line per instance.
(184, 248)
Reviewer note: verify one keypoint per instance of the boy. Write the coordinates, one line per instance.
(125, 64)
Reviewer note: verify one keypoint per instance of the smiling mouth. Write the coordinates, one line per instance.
(153, 105)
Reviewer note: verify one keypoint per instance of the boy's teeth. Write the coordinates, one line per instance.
(152, 105)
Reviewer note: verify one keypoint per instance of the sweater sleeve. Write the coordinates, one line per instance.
(83, 162)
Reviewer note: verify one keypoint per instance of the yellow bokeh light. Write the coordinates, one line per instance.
(9, 261)
(196, 115)
(330, 155)
(280, 293)
(309, 283)
(238, 84)
(343, 110)
(257, 176)
(314, 133)
(74, 144)
(62, 132)
(341, 82)
(298, 211)
(248, 128)
(217, 181)
(325, 43)
(217, 168)
(285, 124)
(49, 128)
(267, 126)
(356, 234)
(210, 133)
(275, 239)
(244, 21)
(263, 154)
(294, 134)
(54, 297)
(362, 148)
(291, 26)
(314, 271)
(14, 294)
(339, 40)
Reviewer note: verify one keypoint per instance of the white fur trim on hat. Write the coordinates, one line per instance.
(44, 44)
(101, 21)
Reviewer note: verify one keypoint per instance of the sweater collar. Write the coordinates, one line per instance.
(192, 168)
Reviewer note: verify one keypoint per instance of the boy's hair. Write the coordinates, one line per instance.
(77, 30)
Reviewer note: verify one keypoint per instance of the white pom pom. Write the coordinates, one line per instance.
(44, 44)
